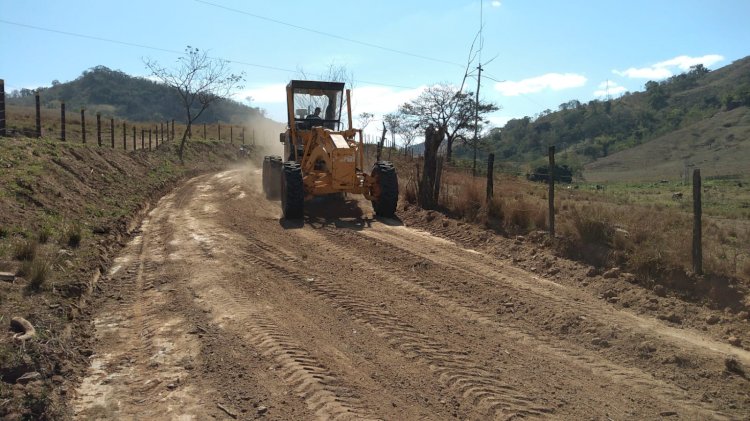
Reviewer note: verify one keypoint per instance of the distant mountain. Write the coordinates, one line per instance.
(120, 95)
(677, 109)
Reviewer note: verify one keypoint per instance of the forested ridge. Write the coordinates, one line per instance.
(128, 97)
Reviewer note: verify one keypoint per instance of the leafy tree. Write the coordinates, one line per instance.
(199, 81)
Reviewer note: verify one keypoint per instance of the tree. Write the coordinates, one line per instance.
(363, 119)
(448, 109)
(200, 81)
(393, 122)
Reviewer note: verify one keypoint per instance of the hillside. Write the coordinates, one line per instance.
(598, 129)
(122, 96)
(719, 146)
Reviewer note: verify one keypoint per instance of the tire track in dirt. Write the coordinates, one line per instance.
(452, 367)
(567, 352)
(122, 382)
(323, 392)
(414, 242)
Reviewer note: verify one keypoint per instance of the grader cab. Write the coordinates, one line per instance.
(322, 158)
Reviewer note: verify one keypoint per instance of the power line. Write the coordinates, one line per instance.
(328, 34)
(165, 50)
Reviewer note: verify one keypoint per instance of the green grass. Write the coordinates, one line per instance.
(722, 197)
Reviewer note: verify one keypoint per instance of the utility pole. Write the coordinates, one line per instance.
(476, 120)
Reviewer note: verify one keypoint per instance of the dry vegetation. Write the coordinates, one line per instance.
(651, 240)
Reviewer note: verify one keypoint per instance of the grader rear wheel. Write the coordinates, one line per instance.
(272, 177)
(385, 190)
(292, 191)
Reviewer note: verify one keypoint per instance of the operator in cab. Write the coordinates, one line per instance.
(315, 115)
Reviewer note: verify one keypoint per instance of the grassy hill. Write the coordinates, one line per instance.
(719, 146)
(126, 97)
(693, 107)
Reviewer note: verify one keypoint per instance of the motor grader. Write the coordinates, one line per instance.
(321, 158)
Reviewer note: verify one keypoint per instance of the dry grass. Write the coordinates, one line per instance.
(646, 238)
(73, 235)
(25, 250)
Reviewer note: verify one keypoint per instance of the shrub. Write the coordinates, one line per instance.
(591, 226)
(468, 202)
(39, 272)
(73, 236)
(25, 250)
(44, 235)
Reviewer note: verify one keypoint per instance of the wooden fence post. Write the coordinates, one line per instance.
(697, 226)
(83, 125)
(231, 135)
(552, 191)
(161, 127)
(143, 139)
(490, 176)
(62, 121)
(243, 135)
(3, 132)
(99, 129)
(172, 129)
(112, 131)
(204, 131)
(124, 136)
(37, 106)
(149, 139)
(219, 129)
(438, 176)
(134, 144)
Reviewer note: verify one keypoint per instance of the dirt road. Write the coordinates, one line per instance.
(217, 309)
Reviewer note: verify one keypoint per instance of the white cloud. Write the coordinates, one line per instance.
(609, 88)
(554, 81)
(267, 94)
(380, 99)
(496, 3)
(667, 68)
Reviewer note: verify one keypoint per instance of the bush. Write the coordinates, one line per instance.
(25, 250)
(592, 226)
(40, 269)
(44, 235)
(73, 236)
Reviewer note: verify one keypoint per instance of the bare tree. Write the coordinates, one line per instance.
(447, 108)
(393, 121)
(409, 133)
(363, 119)
(199, 80)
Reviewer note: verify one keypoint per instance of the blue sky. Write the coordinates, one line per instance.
(547, 52)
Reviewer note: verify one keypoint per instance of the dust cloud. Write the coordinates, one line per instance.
(264, 136)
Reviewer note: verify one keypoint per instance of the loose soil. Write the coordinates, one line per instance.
(218, 308)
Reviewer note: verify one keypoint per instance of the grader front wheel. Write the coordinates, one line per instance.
(385, 189)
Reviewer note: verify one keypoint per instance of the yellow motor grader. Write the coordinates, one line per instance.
(320, 157)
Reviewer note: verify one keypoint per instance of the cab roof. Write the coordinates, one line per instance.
(313, 84)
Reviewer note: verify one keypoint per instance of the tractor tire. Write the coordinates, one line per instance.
(272, 177)
(292, 191)
(386, 189)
